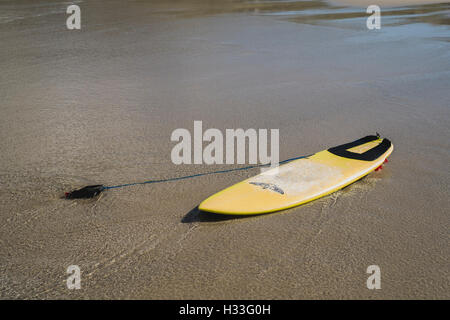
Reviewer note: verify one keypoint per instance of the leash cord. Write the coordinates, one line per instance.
(196, 175)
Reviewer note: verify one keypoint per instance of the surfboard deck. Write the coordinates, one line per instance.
(302, 180)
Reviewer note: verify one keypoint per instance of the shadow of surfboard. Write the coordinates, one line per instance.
(196, 215)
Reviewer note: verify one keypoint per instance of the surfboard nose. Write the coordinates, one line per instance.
(232, 208)
(244, 199)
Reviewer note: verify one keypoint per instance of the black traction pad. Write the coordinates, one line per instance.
(369, 155)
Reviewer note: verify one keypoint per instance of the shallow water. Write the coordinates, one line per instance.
(99, 105)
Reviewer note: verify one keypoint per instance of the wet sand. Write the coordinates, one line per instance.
(385, 3)
(99, 106)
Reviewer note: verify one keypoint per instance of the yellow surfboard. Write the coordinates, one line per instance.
(302, 180)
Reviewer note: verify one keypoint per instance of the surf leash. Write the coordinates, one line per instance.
(94, 190)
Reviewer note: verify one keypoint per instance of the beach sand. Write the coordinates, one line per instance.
(98, 105)
(385, 3)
